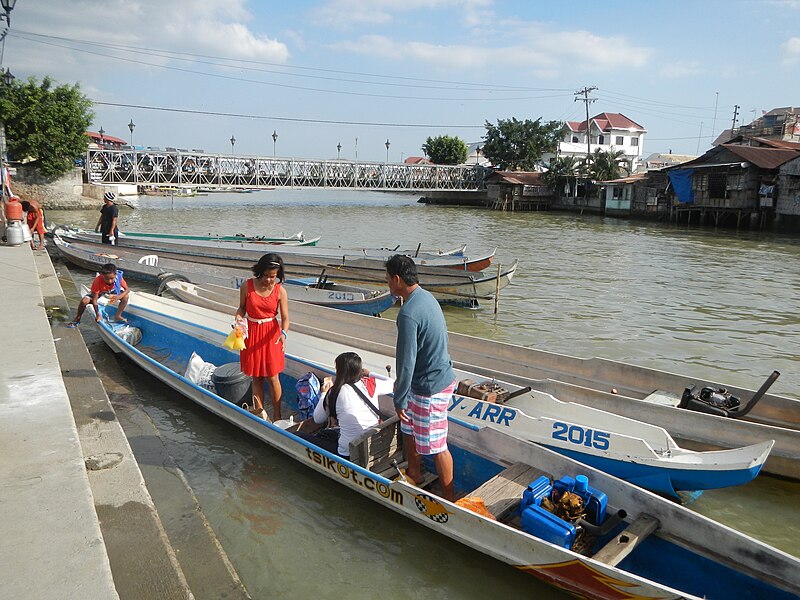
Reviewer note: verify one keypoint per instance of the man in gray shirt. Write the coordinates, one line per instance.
(425, 378)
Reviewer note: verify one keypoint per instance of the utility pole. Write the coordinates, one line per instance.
(736, 108)
(714, 123)
(587, 101)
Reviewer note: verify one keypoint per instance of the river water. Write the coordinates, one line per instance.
(716, 304)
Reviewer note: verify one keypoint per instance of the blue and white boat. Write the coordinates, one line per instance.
(626, 542)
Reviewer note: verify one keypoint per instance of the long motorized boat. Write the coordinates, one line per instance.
(342, 297)
(298, 239)
(449, 286)
(293, 254)
(604, 384)
(567, 524)
(637, 452)
(153, 269)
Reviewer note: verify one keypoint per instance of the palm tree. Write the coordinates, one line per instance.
(563, 170)
(607, 164)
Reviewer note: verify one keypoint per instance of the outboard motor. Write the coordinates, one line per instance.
(722, 403)
(709, 400)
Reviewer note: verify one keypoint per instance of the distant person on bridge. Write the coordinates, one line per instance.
(261, 300)
(35, 219)
(425, 378)
(107, 223)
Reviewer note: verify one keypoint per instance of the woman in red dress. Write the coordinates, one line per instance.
(261, 299)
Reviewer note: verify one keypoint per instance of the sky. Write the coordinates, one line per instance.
(358, 73)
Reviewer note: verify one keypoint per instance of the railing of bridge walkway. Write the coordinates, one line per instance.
(201, 170)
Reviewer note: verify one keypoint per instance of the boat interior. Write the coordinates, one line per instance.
(553, 506)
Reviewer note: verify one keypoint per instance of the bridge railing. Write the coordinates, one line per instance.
(161, 168)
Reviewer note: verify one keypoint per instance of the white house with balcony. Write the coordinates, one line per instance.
(606, 131)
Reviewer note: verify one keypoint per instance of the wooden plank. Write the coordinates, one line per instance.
(375, 448)
(503, 492)
(624, 543)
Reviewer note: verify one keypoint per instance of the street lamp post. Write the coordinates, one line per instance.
(356, 149)
(102, 139)
(387, 144)
(233, 143)
(5, 82)
(338, 150)
(274, 141)
(131, 127)
(8, 6)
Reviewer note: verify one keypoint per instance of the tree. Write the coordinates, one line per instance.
(445, 150)
(607, 164)
(519, 145)
(46, 123)
(564, 170)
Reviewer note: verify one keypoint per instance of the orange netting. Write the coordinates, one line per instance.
(476, 505)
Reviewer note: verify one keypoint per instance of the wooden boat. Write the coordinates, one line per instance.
(331, 295)
(449, 286)
(637, 452)
(152, 269)
(608, 385)
(292, 254)
(297, 239)
(630, 543)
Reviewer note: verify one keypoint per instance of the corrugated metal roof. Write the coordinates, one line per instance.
(777, 143)
(518, 177)
(766, 158)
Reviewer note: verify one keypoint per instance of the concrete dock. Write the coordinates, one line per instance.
(78, 514)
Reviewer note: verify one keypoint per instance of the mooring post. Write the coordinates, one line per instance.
(497, 289)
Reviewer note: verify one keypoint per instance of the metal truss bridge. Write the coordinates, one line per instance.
(214, 171)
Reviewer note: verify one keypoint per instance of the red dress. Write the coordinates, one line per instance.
(263, 353)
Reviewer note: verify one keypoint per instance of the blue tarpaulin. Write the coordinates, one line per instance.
(681, 180)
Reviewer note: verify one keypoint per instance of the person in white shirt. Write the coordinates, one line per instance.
(346, 401)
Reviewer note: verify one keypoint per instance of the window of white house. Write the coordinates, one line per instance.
(634, 141)
(575, 139)
(620, 140)
(601, 139)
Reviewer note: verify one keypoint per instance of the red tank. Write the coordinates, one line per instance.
(13, 210)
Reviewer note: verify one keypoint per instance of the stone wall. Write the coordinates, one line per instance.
(63, 193)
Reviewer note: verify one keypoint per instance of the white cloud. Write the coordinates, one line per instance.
(791, 51)
(203, 27)
(678, 69)
(347, 14)
(535, 48)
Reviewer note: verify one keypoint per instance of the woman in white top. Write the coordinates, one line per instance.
(343, 404)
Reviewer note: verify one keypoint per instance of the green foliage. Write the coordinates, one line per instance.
(46, 123)
(518, 145)
(563, 170)
(606, 165)
(445, 150)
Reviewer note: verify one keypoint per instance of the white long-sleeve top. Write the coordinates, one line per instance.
(353, 414)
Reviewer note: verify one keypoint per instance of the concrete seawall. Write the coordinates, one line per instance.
(78, 517)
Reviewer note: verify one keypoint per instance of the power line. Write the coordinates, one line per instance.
(233, 63)
(292, 119)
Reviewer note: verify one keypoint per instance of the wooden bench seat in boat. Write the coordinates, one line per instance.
(625, 542)
(378, 446)
(503, 492)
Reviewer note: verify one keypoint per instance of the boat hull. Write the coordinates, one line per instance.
(656, 569)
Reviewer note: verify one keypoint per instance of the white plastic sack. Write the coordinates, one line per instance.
(199, 372)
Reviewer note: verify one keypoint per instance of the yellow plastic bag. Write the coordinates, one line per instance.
(235, 339)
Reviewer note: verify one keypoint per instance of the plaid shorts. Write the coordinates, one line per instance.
(428, 416)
